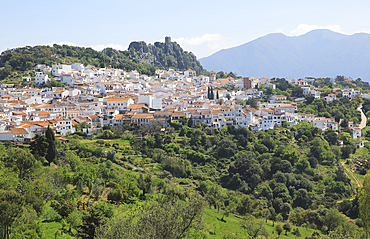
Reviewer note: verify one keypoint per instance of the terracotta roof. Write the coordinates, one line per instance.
(5, 132)
(19, 131)
(178, 114)
(137, 106)
(118, 99)
(118, 117)
(45, 106)
(143, 116)
(43, 112)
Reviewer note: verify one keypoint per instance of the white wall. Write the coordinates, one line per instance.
(157, 103)
(146, 99)
(6, 136)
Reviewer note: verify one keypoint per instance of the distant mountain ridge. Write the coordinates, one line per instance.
(319, 53)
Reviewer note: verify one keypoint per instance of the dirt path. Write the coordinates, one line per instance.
(363, 117)
(349, 171)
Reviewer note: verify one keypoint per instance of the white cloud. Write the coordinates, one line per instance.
(212, 41)
(304, 28)
(204, 45)
(111, 45)
(98, 47)
(366, 31)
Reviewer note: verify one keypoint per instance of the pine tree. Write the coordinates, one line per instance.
(51, 152)
(92, 219)
(364, 202)
(38, 146)
(190, 122)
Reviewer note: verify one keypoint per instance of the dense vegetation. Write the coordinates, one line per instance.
(190, 181)
(342, 108)
(16, 62)
(125, 181)
(164, 55)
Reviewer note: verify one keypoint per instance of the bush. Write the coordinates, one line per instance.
(100, 141)
(79, 133)
(106, 208)
(110, 154)
(279, 229)
(296, 232)
(359, 222)
(50, 215)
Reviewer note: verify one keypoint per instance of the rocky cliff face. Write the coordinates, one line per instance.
(164, 55)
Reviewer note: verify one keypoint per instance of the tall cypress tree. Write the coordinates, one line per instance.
(38, 146)
(190, 121)
(209, 93)
(217, 97)
(51, 152)
(212, 96)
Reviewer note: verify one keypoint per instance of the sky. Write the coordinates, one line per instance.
(202, 27)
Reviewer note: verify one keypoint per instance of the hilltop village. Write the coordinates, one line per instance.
(91, 136)
(94, 97)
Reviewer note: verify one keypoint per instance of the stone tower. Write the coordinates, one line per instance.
(167, 39)
(212, 76)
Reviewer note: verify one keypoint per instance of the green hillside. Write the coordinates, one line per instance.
(134, 176)
(16, 62)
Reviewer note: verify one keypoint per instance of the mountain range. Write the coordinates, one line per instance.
(319, 53)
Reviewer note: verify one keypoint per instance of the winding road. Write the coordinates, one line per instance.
(363, 117)
(348, 171)
(353, 177)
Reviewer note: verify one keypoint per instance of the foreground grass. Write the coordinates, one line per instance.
(217, 229)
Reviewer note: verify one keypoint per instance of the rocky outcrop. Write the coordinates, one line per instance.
(164, 55)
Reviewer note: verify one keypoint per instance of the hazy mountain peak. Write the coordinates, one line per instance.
(318, 53)
(324, 34)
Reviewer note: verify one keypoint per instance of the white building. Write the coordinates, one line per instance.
(74, 92)
(58, 70)
(134, 75)
(146, 99)
(41, 78)
(356, 132)
(277, 98)
(120, 104)
(78, 66)
(190, 73)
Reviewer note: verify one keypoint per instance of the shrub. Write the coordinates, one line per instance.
(50, 215)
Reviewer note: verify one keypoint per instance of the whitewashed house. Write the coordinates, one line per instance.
(41, 78)
(78, 66)
(277, 98)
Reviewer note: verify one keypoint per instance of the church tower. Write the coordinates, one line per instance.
(212, 76)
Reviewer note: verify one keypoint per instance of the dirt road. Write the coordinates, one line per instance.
(363, 117)
(351, 175)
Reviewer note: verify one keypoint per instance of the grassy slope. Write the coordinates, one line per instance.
(215, 227)
(218, 228)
